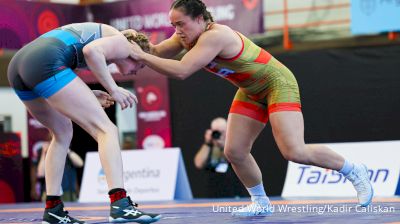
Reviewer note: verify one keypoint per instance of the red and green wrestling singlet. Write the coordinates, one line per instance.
(265, 84)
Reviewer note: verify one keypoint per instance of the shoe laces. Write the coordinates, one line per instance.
(135, 205)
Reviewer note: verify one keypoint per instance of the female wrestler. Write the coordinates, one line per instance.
(267, 90)
(42, 74)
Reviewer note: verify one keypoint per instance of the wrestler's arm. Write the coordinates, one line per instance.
(97, 53)
(209, 45)
(168, 48)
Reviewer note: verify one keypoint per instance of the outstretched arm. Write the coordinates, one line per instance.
(208, 46)
(168, 48)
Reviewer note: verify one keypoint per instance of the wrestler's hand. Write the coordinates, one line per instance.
(104, 98)
(136, 51)
(123, 97)
(133, 32)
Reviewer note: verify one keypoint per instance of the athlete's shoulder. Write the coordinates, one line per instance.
(217, 34)
(215, 31)
(216, 27)
(108, 30)
(219, 30)
(84, 24)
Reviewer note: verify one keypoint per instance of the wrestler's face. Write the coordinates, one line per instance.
(187, 28)
(128, 66)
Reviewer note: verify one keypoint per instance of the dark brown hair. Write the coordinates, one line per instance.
(193, 8)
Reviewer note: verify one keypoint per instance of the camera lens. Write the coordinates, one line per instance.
(216, 134)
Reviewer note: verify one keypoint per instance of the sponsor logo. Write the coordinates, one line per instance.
(153, 142)
(144, 173)
(46, 21)
(64, 219)
(222, 12)
(311, 175)
(223, 72)
(161, 19)
(10, 148)
(150, 97)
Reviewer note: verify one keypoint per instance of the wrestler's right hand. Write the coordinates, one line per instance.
(123, 97)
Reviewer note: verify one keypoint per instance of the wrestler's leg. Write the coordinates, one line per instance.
(61, 130)
(77, 102)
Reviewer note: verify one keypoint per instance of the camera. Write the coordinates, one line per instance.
(215, 135)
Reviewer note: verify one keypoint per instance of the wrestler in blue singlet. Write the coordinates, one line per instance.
(45, 65)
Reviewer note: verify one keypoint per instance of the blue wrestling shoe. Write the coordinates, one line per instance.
(360, 179)
(257, 208)
(58, 215)
(124, 210)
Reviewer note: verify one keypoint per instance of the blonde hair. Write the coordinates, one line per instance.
(139, 38)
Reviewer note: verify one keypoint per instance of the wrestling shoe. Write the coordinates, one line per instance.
(360, 179)
(124, 210)
(257, 208)
(58, 215)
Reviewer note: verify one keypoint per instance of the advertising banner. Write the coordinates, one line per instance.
(153, 116)
(381, 158)
(11, 173)
(23, 21)
(37, 135)
(151, 16)
(149, 175)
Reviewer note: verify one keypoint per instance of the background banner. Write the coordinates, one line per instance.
(150, 16)
(375, 16)
(11, 173)
(310, 181)
(149, 175)
(23, 21)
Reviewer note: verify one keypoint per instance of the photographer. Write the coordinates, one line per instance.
(211, 154)
(220, 180)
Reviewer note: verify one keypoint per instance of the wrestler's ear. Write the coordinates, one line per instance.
(198, 18)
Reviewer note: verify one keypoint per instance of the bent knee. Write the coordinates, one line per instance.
(236, 155)
(98, 125)
(63, 132)
(105, 128)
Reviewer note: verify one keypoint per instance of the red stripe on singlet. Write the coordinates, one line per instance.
(263, 57)
(249, 110)
(238, 55)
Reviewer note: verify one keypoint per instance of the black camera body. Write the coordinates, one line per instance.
(216, 135)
